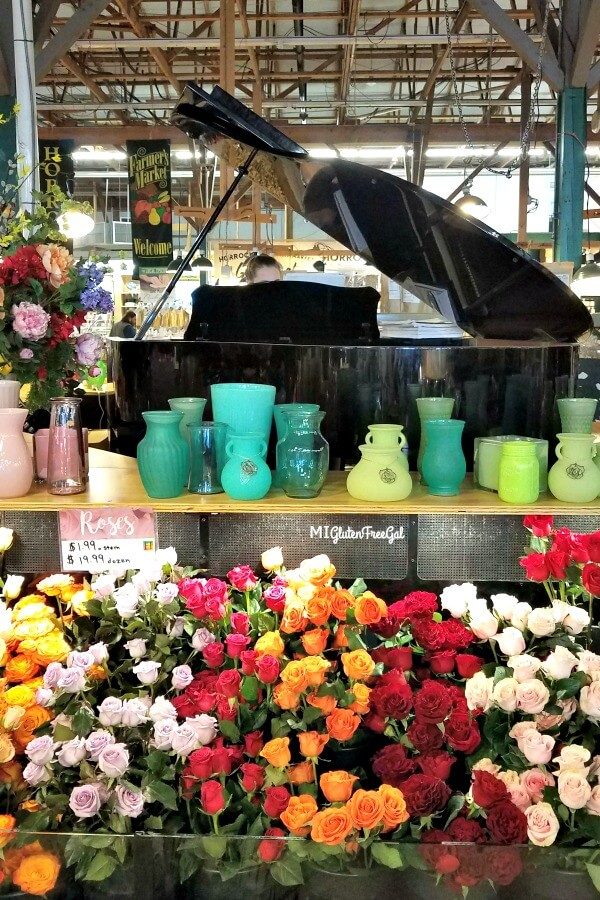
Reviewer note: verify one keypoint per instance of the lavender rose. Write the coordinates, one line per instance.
(72, 752)
(129, 803)
(87, 349)
(175, 630)
(34, 774)
(136, 648)
(162, 709)
(127, 601)
(81, 659)
(163, 734)
(85, 800)
(99, 652)
(72, 680)
(147, 671)
(202, 638)
(40, 750)
(52, 674)
(26, 353)
(110, 711)
(205, 728)
(185, 740)
(96, 742)
(181, 676)
(135, 712)
(114, 760)
(166, 593)
(30, 321)
(44, 697)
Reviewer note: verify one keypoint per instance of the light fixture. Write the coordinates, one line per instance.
(590, 269)
(202, 263)
(176, 262)
(74, 223)
(472, 205)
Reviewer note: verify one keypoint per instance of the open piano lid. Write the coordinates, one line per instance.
(467, 272)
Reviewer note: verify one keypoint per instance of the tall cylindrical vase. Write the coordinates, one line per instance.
(16, 465)
(444, 464)
(163, 455)
(431, 408)
(66, 451)
(245, 408)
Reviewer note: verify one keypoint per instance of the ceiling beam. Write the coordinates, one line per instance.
(252, 54)
(522, 43)
(349, 51)
(43, 21)
(65, 37)
(156, 47)
(539, 10)
(586, 45)
(95, 90)
(440, 59)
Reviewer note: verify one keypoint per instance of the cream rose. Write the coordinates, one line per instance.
(520, 615)
(504, 605)
(486, 765)
(541, 622)
(478, 691)
(576, 621)
(588, 662)
(532, 696)
(521, 728)
(573, 758)
(484, 626)
(511, 641)
(510, 778)
(559, 664)
(272, 559)
(524, 666)
(574, 789)
(456, 597)
(589, 700)
(542, 824)
(318, 569)
(593, 804)
(536, 748)
(504, 694)
(560, 610)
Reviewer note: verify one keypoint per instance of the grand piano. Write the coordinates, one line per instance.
(323, 345)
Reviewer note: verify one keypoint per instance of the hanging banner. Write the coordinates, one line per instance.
(149, 168)
(56, 170)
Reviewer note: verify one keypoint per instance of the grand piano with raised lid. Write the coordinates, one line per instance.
(322, 345)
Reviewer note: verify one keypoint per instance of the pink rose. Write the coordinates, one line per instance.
(593, 804)
(274, 598)
(181, 676)
(532, 696)
(574, 789)
(521, 728)
(242, 578)
(240, 623)
(57, 261)
(542, 824)
(535, 781)
(30, 321)
(519, 796)
(85, 800)
(537, 748)
(87, 349)
(128, 803)
(26, 353)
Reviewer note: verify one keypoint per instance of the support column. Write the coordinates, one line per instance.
(570, 175)
(27, 137)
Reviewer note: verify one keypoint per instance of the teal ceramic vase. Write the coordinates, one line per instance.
(431, 408)
(245, 475)
(302, 454)
(444, 464)
(163, 456)
(245, 408)
(192, 409)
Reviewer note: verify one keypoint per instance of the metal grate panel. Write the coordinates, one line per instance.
(35, 548)
(188, 533)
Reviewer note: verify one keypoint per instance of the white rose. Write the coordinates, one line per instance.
(35, 775)
(593, 804)
(162, 709)
(163, 733)
(167, 556)
(477, 607)
(142, 583)
(176, 628)
(532, 696)
(574, 789)
(573, 758)
(135, 712)
(147, 671)
(561, 610)
(542, 824)
(110, 711)
(478, 691)
(524, 666)
(589, 700)
(272, 559)
(505, 694)
(520, 615)
(181, 677)
(99, 651)
(166, 593)
(484, 626)
(520, 729)
(72, 752)
(114, 760)
(136, 648)
(576, 621)
(127, 601)
(185, 740)
(511, 641)
(205, 727)
(12, 586)
(559, 664)
(40, 750)
(455, 598)
(6, 539)
(153, 570)
(504, 605)
(588, 662)
(541, 622)
(103, 586)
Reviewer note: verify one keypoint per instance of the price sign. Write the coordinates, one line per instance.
(92, 540)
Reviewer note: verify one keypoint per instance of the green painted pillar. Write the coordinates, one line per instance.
(8, 150)
(570, 175)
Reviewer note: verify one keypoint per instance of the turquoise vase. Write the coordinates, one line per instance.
(280, 411)
(245, 408)
(246, 476)
(302, 454)
(430, 408)
(192, 409)
(444, 464)
(163, 456)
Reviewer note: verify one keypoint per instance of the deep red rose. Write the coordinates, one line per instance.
(541, 526)
(432, 703)
(200, 762)
(227, 709)
(457, 697)
(228, 683)
(591, 579)
(214, 609)
(24, 264)
(437, 763)
(203, 700)
(184, 705)
(267, 668)
(193, 593)
(240, 622)
(467, 664)
(394, 657)
(466, 831)
(558, 562)
(536, 566)
(212, 799)
(236, 755)
(472, 866)
(242, 578)
(506, 823)
(222, 764)
(462, 733)
(428, 635)
(442, 663)
(455, 635)
(416, 605)
(393, 699)
(214, 655)
(253, 777)
(236, 644)
(276, 801)
(425, 737)
(389, 626)
(592, 545)
(392, 766)
(574, 545)
(274, 598)
(270, 850)
(425, 795)
(215, 589)
(253, 743)
(375, 722)
(487, 789)
(503, 864)
(248, 660)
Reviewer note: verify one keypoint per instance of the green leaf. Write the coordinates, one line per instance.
(287, 870)
(279, 727)
(354, 641)
(157, 762)
(101, 867)
(230, 730)
(358, 588)
(215, 845)
(387, 855)
(154, 823)
(594, 873)
(311, 714)
(62, 733)
(188, 865)
(570, 687)
(164, 793)
(82, 723)
(249, 689)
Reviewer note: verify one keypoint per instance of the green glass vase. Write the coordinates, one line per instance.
(444, 464)
(163, 456)
(576, 414)
(431, 408)
(302, 454)
(245, 475)
(574, 478)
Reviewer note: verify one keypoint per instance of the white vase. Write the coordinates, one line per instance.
(9, 393)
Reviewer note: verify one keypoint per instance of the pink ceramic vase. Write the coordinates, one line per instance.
(16, 465)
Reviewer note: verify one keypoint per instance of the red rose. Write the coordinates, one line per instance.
(222, 763)
(462, 733)
(240, 622)
(417, 604)
(392, 766)
(389, 626)
(540, 526)
(574, 545)
(236, 755)
(253, 743)
(267, 669)
(437, 763)
(428, 635)
(394, 701)
(467, 664)
(591, 543)
(204, 700)
(536, 566)
(591, 579)
(200, 762)
(503, 864)
(455, 635)
(192, 592)
(276, 801)
(236, 644)
(443, 663)
(270, 850)
(227, 709)
(466, 831)
(214, 609)
(215, 589)
(228, 683)
(212, 798)
(242, 578)
(457, 697)
(375, 722)
(248, 660)
(506, 823)
(274, 598)
(394, 657)
(184, 705)
(424, 737)
(487, 789)
(214, 655)
(432, 703)
(558, 562)
(253, 777)
(425, 795)
(447, 863)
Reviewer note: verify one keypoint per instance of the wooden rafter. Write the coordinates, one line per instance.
(140, 29)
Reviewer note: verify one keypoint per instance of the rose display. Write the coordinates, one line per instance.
(288, 724)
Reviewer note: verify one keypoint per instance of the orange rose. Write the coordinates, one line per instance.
(294, 617)
(394, 806)
(318, 608)
(299, 814)
(284, 697)
(341, 601)
(97, 672)
(366, 809)
(20, 668)
(341, 724)
(361, 703)
(277, 752)
(312, 743)
(331, 826)
(7, 829)
(316, 668)
(30, 806)
(369, 609)
(294, 676)
(12, 773)
(57, 261)
(315, 641)
(358, 665)
(337, 786)
(37, 874)
(325, 704)
(34, 717)
(340, 640)
(302, 773)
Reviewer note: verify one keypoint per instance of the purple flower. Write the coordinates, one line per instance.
(114, 760)
(110, 711)
(97, 299)
(26, 353)
(87, 349)
(85, 800)
(97, 741)
(52, 675)
(72, 680)
(129, 803)
(40, 750)
(72, 752)
(30, 321)
(34, 774)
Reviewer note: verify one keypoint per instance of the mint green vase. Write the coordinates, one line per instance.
(163, 456)
(192, 409)
(574, 478)
(444, 464)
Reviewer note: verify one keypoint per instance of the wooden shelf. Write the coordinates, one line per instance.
(114, 481)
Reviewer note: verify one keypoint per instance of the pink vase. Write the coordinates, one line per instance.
(16, 465)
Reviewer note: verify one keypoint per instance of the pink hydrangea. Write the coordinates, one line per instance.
(26, 353)
(30, 321)
(87, 348)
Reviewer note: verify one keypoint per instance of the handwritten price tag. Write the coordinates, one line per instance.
(93, 540)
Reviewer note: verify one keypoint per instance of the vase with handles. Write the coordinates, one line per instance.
(16, 464)
(245, 408)
(389, 437)
(576, 414)
(444, 463)
(245, 475)
(280, 411)
(302, 454)
(163, 455)
(431, 408)
(10, 391)
(379, 476)
(192, 409)
(574, 478)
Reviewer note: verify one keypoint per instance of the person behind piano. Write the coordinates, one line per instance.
(263, 268)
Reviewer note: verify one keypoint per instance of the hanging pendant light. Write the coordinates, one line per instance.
(472, 205)
(176, 262)
(202, 263)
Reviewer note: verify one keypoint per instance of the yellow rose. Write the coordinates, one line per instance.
(20, 695)
(35, 628)
(52, 648)
(34, 610)
(80, 600)
(13, 717)
(315, 668)
(54, 585)
(6, 539)
(7, 750)
(270, 643)
(28, 600)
